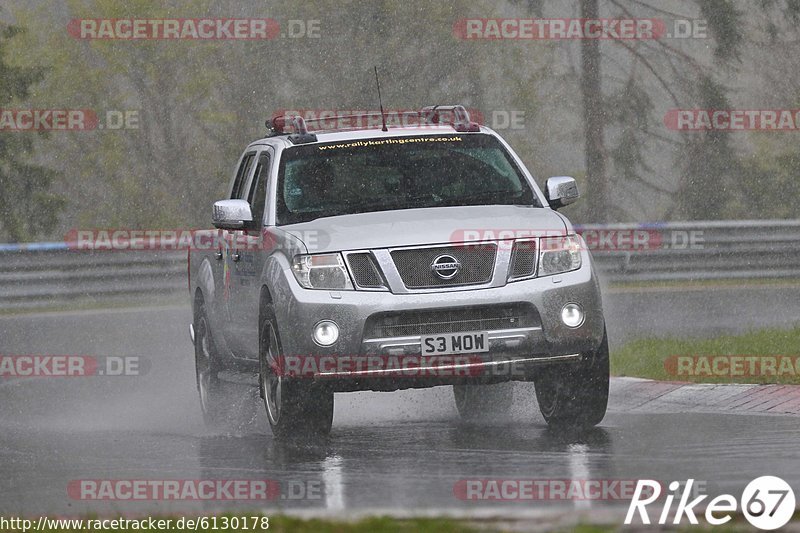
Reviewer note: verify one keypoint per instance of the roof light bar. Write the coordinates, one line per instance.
(277, 126)
(461, 120)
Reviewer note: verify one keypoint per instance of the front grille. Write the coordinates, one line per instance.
(476, 265)
(451, 320)
(523, 259)
(365, 271)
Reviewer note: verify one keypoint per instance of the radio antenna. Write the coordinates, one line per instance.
(380, 101)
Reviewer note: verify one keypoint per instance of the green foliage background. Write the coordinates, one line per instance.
(199, 102)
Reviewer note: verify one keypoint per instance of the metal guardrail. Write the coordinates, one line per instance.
(46, 274)
(38, 275)
(701, 251)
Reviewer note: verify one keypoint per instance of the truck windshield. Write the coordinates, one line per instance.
(359, 176)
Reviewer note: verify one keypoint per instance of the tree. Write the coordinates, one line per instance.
(201, 102)
(27, 206)
(626, 84)
(594, 116)
(659, 70)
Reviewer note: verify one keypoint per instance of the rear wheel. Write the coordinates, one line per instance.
(294, 408)
(575, 395)
(483, 402)
(207, 366)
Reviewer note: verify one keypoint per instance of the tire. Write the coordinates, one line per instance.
(483, 402)
(295, 409)
(575, 396)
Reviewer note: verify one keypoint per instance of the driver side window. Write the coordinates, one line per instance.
(238, 191)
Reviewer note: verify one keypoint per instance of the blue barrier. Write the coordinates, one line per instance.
(33, 247)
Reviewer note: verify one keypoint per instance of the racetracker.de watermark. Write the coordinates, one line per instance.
(318, 119)
(57, 366)
(68, 119)
(194, 489)
(731, 120)
(384, 366)
(467, 363)
(578, 28)
(595, 238)
(203, 29)
(732, 366)
(133, 240)
(520, 490)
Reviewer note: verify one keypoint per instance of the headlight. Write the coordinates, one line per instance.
(559, 254)
(321, 271)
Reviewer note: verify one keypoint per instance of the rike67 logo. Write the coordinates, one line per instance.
(767, 503)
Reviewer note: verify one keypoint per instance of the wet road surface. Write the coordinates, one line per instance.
(400, 452)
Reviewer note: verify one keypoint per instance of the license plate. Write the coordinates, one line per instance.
(454, 343)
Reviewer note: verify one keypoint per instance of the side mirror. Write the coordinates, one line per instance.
(561, 191)
(232, 214)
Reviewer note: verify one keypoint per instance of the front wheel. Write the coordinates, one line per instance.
(294, 408)
(575, 395)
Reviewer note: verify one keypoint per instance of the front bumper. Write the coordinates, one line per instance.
(548, 341)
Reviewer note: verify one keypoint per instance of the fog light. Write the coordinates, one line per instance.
(572, 315)
(326, 333)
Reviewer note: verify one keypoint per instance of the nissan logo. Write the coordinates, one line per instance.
(445, 266)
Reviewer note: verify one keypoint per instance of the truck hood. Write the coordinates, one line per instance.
(436, 225)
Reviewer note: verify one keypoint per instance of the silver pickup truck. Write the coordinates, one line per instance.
(396, 257)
